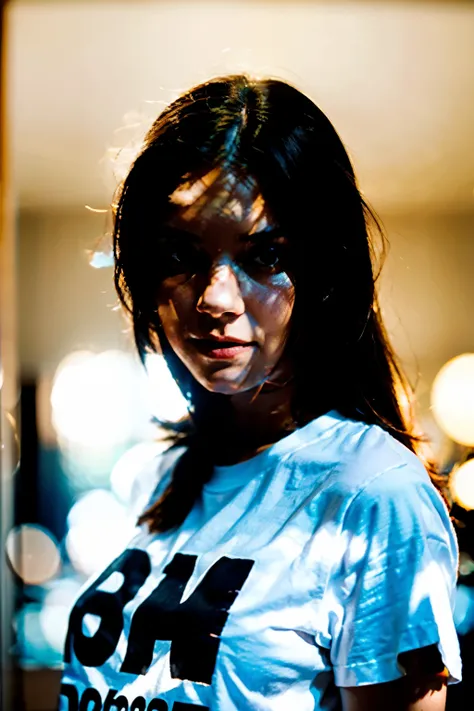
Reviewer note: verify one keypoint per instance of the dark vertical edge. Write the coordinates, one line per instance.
(10, 679)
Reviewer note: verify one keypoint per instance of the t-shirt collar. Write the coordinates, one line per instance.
(233, 476)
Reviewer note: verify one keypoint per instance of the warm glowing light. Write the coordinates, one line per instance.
(462, 484)
(98, 210)
(166, 401)
(186, 194)
(100, 528)
(466, 564)
(452, 398)
(10, 441)
(101, 402)
(33, 553)
(98, 399)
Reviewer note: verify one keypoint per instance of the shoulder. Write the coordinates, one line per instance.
(371, 476)
(356, 453)
(390, 484)
(393, 506)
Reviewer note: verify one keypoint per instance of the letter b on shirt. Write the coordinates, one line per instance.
(193, 627)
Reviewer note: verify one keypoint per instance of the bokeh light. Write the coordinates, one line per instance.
(130, 466)
(166, 401)
(54, 615)
(452, 398)
(464, 609)
(97, 399)
(88, 467)
(33, 553)
(104, 403)
(33, 648)
(10, 441)
(466, 564)
(99, 529)
(462, 484)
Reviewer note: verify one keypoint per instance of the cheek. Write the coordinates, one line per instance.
(270, 304)
(175, 308)
(282, 298)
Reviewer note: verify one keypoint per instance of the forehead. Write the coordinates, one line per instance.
(221, 197)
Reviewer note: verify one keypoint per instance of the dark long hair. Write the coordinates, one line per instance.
(272, 132)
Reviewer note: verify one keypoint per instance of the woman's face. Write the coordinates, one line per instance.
(226, 301)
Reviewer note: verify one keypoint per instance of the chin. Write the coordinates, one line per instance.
(227, 385)
(223, 387)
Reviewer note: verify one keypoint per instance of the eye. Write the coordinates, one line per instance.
(182, 259)
(265, 257)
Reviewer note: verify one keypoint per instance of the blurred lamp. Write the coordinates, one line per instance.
(464, 609)
(99, 530)
(33, 649)
(131, 465)
(166, 400)
(54, 615)
(466, 564)
(462, 484)
(54, 620)
(98, 399)
(33, 553)
(452, 398)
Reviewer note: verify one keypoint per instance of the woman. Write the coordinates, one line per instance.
(294, 554)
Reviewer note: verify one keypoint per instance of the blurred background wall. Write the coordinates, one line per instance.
(85, 79)
(427, 290)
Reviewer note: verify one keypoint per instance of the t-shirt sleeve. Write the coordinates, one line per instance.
(394, 588)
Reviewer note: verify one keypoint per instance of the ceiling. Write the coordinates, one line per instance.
(396, 78)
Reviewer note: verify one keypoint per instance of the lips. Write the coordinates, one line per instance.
(222, 348)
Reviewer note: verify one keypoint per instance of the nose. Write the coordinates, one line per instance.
(222, 295)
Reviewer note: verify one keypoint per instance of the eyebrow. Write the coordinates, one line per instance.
(270, 232)
(170, 231)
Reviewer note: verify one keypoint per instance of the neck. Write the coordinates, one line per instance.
(258, 419)
(263, 410)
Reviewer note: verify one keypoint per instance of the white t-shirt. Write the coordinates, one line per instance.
(310, 566)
